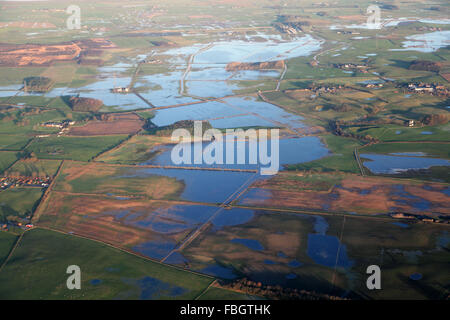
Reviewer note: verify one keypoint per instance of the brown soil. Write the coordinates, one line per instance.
(86, 218)
(22, 55)
(234, 66)
(381, 196)
(110, 124)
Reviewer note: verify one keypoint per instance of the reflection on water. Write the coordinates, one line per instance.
(231, 113)
(232, 217)
(291, 151)
(249, 243)
(427, 42)
(171, 219)
(245, 51)
(200, 185)
(154, 249)
(390, 164)
(324, 249)
(405, 198)
(219, 271)
(401, 225)
(176, 258)
(202, 111)
(149, 288)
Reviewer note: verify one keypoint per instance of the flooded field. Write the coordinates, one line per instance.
(428, 42)
(292, 151)
(395, 163)
(352, 194)
(304, 250)
(357, 166)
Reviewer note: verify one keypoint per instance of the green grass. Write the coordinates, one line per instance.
(6, 159)
(37, 270)
(399, 252)
(10, 76)
(103, 179)
(73, 148)
(34, 168)
(18, 202)
(135, 150)
(342, 158)
(13, 142)
(7, 241)
(431, 149)
(388, 133)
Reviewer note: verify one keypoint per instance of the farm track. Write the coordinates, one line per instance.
(189, 66)
(36, 213)
(143, 99)
(12, 250)
(281, 77)
(188, 240)
(358, 160)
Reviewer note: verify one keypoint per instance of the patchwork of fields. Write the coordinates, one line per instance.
(87, 177)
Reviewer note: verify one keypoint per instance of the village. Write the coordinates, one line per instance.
(13, 182)
(430, 88)
(63, 125)
(352, 67)
(418, 218)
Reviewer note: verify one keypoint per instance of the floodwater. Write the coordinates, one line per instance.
(202, 111)
(405, 198)
(401, 224)
(219, 271)
(229, 113)
(294, 264)
(249, 243)
(427, 42)
(291, 151)
(209, 63)
(245, 51)
(392, 164)
(155, 249)
(232, 217)
(200, 185)
(415, 276)
(149, 288)
(162, 89)
(176, 218)
(324, 249)
(176, 258)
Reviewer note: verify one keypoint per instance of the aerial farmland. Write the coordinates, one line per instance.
(321, 148)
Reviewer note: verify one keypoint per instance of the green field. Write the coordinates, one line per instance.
(97, 178)
(37, 270)
(400, 251)
(431, 149)
(7, 241)
(34, 168)
(18, 202)
(314, 226)
(342, 158)
(6, 159)
(134, 151)
(389, 133)
(73, 148)
(13, 142)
